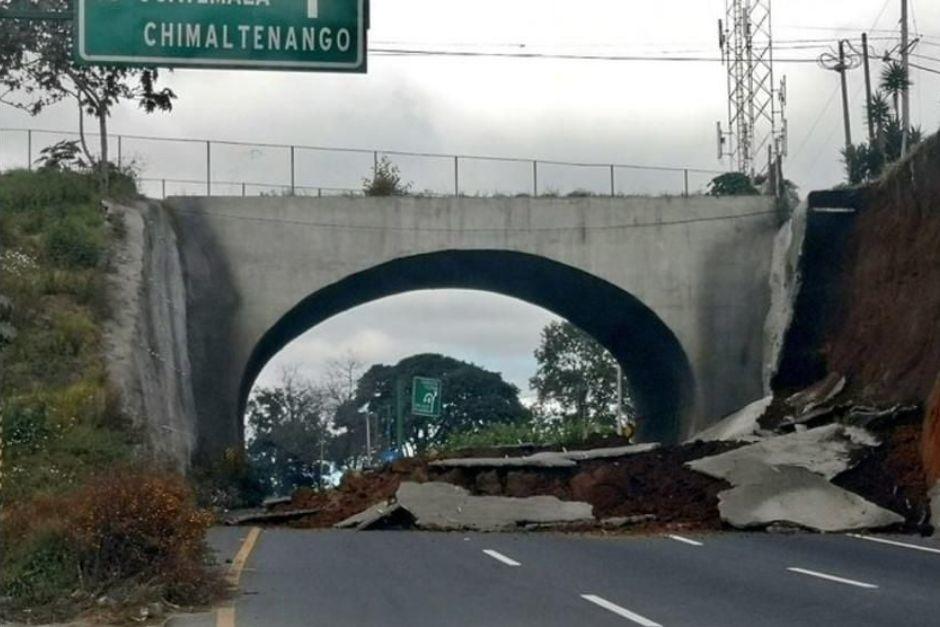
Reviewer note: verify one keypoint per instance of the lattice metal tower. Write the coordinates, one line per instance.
(757, 126)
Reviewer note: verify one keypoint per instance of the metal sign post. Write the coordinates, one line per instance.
(305, 35)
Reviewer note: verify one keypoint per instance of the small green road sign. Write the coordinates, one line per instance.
(426, 397)
(312, 35)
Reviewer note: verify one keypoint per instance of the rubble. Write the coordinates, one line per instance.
(741, 426)
(381, 515)
(270, 518)
(827, 451)
(817, 395)
(788, 480)
(442, 506)
(796, 496)
(547, 459)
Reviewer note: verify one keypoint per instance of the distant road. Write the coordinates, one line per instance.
(409, 579)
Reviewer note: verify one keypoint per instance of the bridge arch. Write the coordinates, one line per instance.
(654, 362)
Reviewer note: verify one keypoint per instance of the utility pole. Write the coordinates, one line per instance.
(871, 120)
(906, 94)
(845, 97)
(838, 61)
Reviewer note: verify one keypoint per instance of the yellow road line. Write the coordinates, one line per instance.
(225, 617)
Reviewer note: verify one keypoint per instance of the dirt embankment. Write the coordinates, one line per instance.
(885, 336)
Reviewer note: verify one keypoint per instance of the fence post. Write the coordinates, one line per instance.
(120, 152)
(163, 188)
(375, 163)
(456, 177)
(685, 174)
(535, 178)
(243, 189)
(29, 150)
(613, 183)
(319, 192)
(293, 187)
(208, 168)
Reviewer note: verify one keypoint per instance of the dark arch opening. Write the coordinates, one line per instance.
(653, 361)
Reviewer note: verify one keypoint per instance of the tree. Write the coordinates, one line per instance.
(385, 181)
(576, 377)
(895, 81)
(289, 428)
(472, 398)
(732, 184)
(37, 70)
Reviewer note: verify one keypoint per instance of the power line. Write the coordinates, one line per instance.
(924, 68)
(403, 52)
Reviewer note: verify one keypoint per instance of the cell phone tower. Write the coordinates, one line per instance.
(757, 127)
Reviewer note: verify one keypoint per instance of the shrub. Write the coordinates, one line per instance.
(385, 181)
(121, 529)
(73, 243)
(732, 184)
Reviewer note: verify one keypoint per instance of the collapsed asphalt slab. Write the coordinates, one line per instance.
(547, 459)
(787, 479)
(827, 451)
(445, 507)
(788, 494)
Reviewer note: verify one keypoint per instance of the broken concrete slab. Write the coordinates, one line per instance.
(619, 522)
(607, 453)
(274, 501)
(741, 426)
(442, 506)
(818, 394)
(552, 461)
(798, 496)
(377, 515)
(547, 459)
(270, 518)
(875, 418)
(826, 451)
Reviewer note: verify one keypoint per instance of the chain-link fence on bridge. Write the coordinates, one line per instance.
(185, 166)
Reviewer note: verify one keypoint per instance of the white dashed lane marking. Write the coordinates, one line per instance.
(848, 582)
(619, 611)
(686, 541)
(905, 545)
(496, 555)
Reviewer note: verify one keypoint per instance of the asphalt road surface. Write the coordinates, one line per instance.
(409, 579)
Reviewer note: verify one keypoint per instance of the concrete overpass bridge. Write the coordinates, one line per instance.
(676, 288)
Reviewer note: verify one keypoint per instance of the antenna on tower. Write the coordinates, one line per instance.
(756, 104)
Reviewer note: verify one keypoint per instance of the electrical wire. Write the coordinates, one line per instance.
(405, 52)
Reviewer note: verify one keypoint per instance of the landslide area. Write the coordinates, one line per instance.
(885, 336)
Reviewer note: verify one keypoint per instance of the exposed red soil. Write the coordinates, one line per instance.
(893, 476)
(358, 492)
(930, 444)
(653, 483)
(886, 335)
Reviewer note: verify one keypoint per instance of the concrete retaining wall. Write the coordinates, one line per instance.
(146, 340)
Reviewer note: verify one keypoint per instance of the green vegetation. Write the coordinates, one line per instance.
(63, 431)
(537, 431)
(867, 161)
(385, 181)
(732, 184)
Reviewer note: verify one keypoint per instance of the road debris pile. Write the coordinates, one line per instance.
(826, 465)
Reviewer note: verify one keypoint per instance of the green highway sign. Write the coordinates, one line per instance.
(426, 397)
(311, 35)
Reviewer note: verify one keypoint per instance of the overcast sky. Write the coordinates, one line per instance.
(623, 112)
